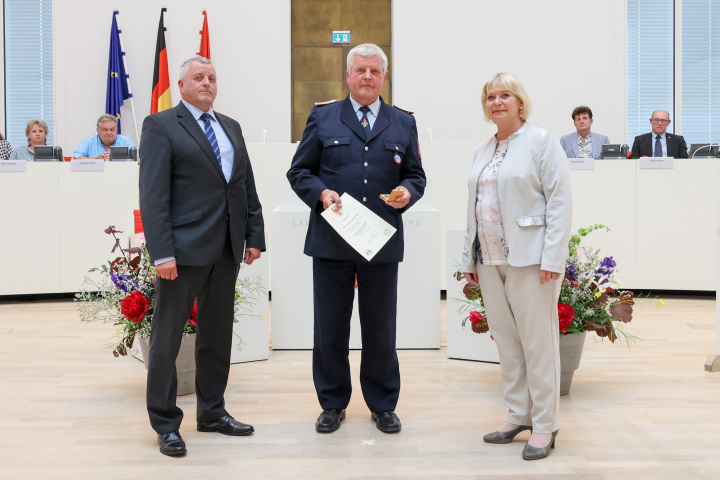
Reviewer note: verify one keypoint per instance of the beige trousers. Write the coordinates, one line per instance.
(523, 319)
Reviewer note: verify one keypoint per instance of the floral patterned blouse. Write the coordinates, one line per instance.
(585, 146)
(491, 237)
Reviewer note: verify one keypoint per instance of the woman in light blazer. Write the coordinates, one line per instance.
(516, 245)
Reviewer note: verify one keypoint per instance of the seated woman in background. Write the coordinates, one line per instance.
(5, 148)
(36, 132)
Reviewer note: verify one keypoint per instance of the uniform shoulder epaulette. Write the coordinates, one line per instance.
(329, 102)
(406, 111)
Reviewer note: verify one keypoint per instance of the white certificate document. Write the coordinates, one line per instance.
(359, 226)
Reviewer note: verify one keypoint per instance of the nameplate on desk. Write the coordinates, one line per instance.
(656, 162)
(87, 165)
(13, 166)
(582, 163)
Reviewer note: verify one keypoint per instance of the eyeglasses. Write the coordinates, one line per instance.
(659, 120)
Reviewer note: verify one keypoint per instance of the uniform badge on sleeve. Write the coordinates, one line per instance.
(397, 158)
(419, 156)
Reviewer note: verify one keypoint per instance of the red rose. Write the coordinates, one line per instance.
(134, 306)
(566, 314)
(193, 315)
(476, 318)
(478, 323)
(574, 283)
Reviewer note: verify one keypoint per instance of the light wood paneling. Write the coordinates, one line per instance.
(313, 20)
(315, 64)
(318, 66)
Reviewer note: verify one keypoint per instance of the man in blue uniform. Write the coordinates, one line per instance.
(363, 147)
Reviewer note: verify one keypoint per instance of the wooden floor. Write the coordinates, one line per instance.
(70, 410)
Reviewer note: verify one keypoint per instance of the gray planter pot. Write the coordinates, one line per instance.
(571, 347)
(184, 364)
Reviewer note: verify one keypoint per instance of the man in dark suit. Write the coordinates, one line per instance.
(202, 218)
(363, 147)
(659, 143)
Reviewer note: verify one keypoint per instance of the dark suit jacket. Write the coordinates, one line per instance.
(644, 146)
(333, 154)
(185, 202)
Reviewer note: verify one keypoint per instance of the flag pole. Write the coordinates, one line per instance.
(132, 102)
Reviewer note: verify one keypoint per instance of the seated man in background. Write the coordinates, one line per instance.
(98, 146)
(658, 143)
(583, 144)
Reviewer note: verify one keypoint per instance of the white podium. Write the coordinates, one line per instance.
(30, 243)
(418, 317)
(255, 333)
(462, 342)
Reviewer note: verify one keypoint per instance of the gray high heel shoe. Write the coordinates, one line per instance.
(536, 453)
(505, 437)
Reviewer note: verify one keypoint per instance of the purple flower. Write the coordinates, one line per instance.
(571, 272)
(123, 282)
(607, 266)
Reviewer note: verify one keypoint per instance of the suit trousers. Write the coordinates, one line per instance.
(523, 319)
(214, 288)
(334, 292)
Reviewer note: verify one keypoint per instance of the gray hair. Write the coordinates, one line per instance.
(366, 50)
(186, 64)
(106, 118)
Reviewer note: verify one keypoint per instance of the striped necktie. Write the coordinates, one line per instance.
(210, 134)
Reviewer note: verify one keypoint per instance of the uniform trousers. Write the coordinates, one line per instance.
(334, 292)
(214, 288)
(523, 319)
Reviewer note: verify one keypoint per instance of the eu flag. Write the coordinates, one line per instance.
(117, 83)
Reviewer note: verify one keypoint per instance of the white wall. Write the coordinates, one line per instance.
(566, 53)
(249, 45)
(443, 51)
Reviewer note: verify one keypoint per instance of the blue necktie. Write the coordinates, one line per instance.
(658, 147)
(364, 122)
(210, 134)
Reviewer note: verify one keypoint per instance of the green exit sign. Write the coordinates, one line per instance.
(341, 36)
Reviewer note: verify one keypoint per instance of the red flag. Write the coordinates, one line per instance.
(204, 38)
(161, 79)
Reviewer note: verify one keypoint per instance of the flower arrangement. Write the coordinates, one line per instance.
(590, 299)
(125, 292)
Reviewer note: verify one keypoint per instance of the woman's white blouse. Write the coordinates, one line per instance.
(493, 247)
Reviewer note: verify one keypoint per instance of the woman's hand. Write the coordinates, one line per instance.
(546, 276)
(472, 278)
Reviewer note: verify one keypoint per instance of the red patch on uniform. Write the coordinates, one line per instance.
(397, 158)
(419, 156)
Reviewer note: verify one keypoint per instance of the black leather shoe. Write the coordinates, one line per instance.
(226, 425)
(387, 422)
(329, 420)
(171, 444)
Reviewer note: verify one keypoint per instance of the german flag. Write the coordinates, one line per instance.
(161, 80)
